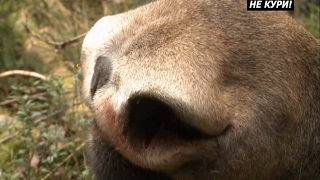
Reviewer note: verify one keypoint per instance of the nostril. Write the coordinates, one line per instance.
(145, 115)
(101, 75)
(146, 118)
(149, 118)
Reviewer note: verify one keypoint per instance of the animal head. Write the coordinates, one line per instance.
(202, 89)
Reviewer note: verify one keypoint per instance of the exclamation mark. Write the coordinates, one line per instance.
(290, 4)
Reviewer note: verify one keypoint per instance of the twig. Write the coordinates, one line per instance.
(24, 73)
(10, 101)
(46, 117)
(64, 161)
(7, 138)
(57, 45)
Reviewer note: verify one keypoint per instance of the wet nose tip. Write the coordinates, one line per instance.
(101, 75)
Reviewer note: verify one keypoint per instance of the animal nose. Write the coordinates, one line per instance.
(101, 75)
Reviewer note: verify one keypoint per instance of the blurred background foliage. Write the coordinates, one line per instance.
(43, 122)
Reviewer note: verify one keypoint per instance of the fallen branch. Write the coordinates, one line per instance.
(57, 45)
(24, 73)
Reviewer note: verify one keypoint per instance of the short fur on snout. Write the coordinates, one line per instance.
(225, 93)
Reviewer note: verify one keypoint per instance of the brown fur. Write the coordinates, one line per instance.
(247, 80)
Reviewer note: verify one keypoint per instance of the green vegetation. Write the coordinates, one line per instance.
(43, 122)
(44, 138)
(311, 20)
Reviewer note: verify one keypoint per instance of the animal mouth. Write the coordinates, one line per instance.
(157, 138)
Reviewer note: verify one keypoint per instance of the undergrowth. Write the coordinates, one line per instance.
(45, 138)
